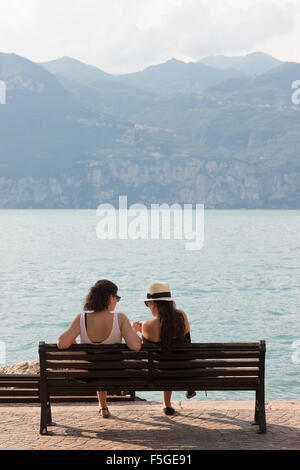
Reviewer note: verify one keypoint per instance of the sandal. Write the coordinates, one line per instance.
(104, 412)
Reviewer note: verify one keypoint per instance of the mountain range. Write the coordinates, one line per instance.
(256, 63)
(222, 131)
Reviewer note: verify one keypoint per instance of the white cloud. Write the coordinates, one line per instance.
(126, 35)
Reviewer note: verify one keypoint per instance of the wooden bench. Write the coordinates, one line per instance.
(92, 368)
(19, 388)
(25, 388)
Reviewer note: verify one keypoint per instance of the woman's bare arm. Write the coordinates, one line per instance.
(69, 336)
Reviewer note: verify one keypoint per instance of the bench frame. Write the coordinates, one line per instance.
(151, 352)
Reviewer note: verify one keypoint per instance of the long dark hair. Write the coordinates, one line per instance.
(171, 323)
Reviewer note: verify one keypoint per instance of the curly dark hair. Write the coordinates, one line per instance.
(171, 323)
(98, 297)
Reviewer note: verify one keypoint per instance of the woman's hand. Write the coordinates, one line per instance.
(137, 326)
(132, 339)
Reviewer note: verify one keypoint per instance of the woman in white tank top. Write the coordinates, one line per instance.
(102, 326)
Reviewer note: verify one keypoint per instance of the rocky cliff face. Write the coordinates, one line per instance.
(217, 184)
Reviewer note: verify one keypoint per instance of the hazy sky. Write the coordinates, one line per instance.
(121, 36)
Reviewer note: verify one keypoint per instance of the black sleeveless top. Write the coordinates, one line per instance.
(180, 340)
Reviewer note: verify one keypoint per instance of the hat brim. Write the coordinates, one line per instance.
(168, 299)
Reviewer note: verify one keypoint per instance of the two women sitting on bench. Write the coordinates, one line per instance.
(101, 326)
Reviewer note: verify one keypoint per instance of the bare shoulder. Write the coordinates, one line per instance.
(76, 320)
(148, 324)
(151, 329)
(121, 315)
(122, 318)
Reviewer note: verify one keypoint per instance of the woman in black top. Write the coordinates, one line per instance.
(169, 327)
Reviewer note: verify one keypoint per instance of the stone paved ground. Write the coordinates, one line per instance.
(142, 425)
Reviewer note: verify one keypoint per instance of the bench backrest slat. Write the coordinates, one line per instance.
(175, 356)
(89, 365)
(149, 347)
(199, 363)
(86, 356)
(104, 373)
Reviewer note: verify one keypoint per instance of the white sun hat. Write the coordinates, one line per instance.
(159, 291)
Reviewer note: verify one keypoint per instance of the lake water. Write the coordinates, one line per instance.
(243, 285)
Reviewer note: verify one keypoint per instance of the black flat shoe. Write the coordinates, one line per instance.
(190, 394)
(169, 410)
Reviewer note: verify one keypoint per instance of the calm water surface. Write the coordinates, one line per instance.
(244, 285)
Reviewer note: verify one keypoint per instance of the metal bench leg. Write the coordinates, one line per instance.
(43, 424)
(261, 413)
(49, 417)
(262, 420)
(255, 422)
(132, 396)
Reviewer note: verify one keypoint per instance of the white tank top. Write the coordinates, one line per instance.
(114, 337)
